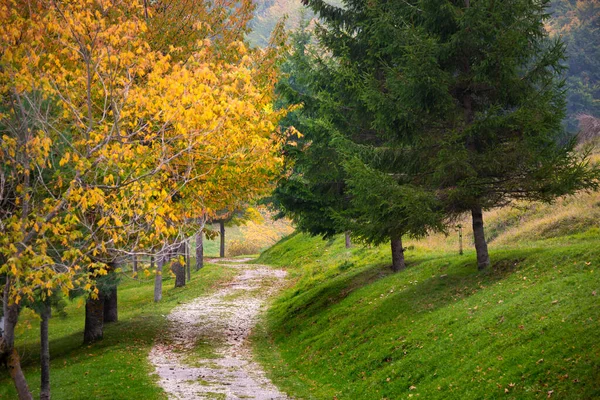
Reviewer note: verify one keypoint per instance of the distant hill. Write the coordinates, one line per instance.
(269, 12)
(575, 21)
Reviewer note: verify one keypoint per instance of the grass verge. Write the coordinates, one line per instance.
(116, 367)
(349, 329)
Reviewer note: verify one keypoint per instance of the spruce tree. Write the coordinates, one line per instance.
(333, 184)
(465, 97)
(312, 189)
(385, 208)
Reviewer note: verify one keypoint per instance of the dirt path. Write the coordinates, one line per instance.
(206, 354)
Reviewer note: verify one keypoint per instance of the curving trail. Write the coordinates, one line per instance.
(218, 325)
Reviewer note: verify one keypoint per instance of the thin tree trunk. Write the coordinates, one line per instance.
(135, 264)
(397, 254)
(94, 319)
(199, 250)
(222, 247)
(7, 345)
(483, 258)
(188, 269)
(158, 278)
(111, 310)
(348, 242)
(45, 352)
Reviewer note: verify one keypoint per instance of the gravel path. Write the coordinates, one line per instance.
(205, 353)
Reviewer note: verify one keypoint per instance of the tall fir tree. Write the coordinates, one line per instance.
(332, 186)
(312, 189)
(464, 97)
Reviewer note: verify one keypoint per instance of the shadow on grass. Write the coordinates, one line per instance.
(117, 334)
(453, 280)
(458, 280)
(317, 299)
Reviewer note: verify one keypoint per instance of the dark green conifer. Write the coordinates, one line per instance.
(464, 98)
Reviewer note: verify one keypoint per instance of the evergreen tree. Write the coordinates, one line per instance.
(464, 98)
(335, 184)
(385, 208)
(312, 188)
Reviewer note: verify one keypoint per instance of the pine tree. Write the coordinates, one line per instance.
(464, 97)
(313, 187)
(340, 180)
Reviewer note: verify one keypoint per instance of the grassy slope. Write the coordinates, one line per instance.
(349, 329)
(116, 367)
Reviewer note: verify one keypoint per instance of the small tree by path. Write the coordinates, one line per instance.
(199, 249)
(160, 261)
(222, 238)
(46, 313)
(94, 318)
(188, 269)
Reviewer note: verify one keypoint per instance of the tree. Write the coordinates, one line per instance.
(200, 249)
(178, 265)
(99, 135)
(386, 208)
(238, 215)
(469, 93)
(311, 189)
(331, 186)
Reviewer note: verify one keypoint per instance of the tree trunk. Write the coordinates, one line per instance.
(222, 248)
(16, 373)
(111, 311)
(483, 258)
(348, 242)
(397, 254)
(199, 250)
(45, 352)
(134, 268)
(158, 278)
(94, 319)
(188, 269)
(179, 270)
(8, 353)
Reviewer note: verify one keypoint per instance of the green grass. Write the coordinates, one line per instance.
(348, 328)
(116, 367)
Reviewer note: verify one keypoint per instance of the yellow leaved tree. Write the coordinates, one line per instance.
(113, 139)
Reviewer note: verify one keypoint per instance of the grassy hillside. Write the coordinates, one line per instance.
(349, 329)
(116, 367)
